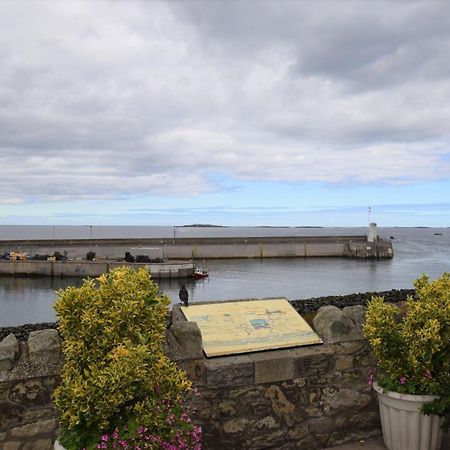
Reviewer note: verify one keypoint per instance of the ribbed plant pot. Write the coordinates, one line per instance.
(404, 426)
(58, 446)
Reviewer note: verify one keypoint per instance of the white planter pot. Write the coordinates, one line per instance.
(58, 446)
(404, 426)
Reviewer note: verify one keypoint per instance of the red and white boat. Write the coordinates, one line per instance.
(199, 274)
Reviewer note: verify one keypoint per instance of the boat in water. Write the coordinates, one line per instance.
(199, 274)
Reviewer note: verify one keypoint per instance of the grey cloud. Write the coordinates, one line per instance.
(351, 42)
(117, 99)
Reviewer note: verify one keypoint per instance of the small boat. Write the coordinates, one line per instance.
(199, 274)
(438, 234)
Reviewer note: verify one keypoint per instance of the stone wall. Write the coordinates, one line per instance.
(301, 398)
(29, 372)
(306, 397)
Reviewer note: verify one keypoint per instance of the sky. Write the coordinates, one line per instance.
(283, 113)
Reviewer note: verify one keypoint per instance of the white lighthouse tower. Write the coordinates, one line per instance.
(372, 235)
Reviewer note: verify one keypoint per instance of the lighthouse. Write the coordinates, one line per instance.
(372, 235)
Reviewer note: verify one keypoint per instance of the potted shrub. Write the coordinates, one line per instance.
(412, 347)
(118, 388)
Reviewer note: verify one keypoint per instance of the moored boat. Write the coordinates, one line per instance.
(198, 274)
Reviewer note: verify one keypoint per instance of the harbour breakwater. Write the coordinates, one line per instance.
(167, 250)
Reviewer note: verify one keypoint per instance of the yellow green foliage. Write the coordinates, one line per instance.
(412, 344)
(113, 330)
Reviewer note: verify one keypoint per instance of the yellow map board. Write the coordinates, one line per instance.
(249, 326)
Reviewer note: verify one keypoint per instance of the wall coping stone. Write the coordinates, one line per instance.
(184, 340)
(44, 347)
(46, 361)
(9, 351)
(332, 325)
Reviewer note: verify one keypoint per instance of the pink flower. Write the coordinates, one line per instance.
(197, 433)
(185, 417)
(427, 375)
(105, 438)
(402, 380)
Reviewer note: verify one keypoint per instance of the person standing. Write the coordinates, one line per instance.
(184, 295)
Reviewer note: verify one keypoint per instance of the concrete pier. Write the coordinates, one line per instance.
(107, 250)
(85, 269)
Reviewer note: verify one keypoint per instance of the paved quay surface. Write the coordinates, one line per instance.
(377, 444)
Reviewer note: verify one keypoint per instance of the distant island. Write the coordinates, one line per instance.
(271, 226)
(308, 226)
(283, 226)
(203, 225)
(209, 225)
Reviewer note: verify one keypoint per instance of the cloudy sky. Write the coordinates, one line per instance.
(225, 112)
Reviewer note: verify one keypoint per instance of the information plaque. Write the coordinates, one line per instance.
(249, 325)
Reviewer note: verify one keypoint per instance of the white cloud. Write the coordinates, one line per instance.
(118, 99)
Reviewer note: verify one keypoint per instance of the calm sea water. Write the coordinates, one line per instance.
(417, 251)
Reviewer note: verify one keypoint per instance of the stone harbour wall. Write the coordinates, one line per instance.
(29, 372)
(300, 398)
(180, 247)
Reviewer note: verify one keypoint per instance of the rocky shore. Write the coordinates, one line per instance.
(341, 301)
(302, 306)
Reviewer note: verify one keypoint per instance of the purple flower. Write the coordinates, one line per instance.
(427, 375)
(142, 430)
(402, 380)
(185, 417)
(105, 438)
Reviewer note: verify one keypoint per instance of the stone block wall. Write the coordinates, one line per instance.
(301, 398)
(29, 372)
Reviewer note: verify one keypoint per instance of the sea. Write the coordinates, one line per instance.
(417, 251)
